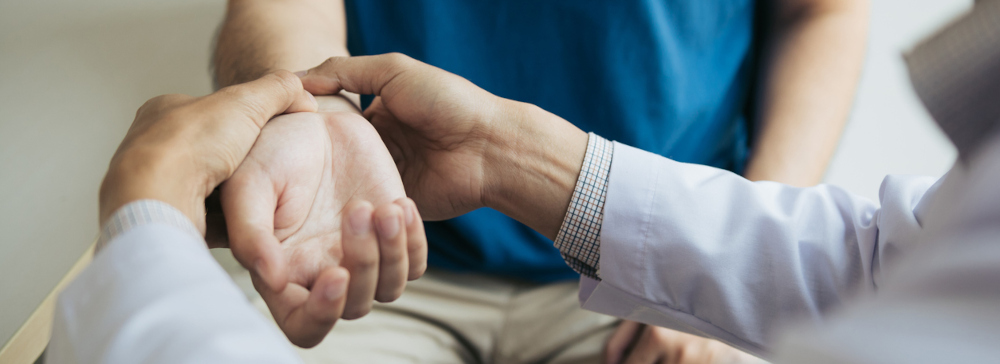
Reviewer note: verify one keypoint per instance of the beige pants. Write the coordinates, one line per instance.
(466, 318)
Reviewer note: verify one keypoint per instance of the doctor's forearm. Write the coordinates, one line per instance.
(813, 56)
(532, 166)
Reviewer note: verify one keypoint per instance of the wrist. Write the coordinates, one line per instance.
(342, 102)
(135, 176)
(531, 166)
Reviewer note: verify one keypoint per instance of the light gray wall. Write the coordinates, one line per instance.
(889, 131)
(72, 74)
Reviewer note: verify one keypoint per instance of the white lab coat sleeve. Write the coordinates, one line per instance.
(940, 303)
(705, 251)
(155, 295)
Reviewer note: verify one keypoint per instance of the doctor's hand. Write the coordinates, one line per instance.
(301, 218)
(179, 148)
(636, 343)
(458, 147)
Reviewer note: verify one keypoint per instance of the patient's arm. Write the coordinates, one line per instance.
(305, 169)
(811, 59)
(258, 36)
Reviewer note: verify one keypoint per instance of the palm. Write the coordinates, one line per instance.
(300, 175)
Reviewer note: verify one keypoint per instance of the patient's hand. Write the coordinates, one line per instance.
(633, 342)
(284, 207)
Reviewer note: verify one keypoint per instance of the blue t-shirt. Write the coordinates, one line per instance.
(667, 76)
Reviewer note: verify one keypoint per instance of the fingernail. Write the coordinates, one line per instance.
(360, 221)
(301, 73)
(388, 226)
(335, 290)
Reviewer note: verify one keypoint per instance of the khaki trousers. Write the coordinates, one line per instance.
(447, 317)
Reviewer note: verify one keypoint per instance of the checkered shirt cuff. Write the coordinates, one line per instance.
(579, 237)
(142, 212)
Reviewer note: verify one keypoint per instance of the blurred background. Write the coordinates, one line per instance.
(72, 74)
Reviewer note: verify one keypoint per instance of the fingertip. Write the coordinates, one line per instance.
(388, 220)
(336, 286)
(409, 210)
(359, 218)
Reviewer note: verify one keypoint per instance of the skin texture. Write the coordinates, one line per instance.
(179, 148)
(259, 36)
(285, 203)
(458, 147)
(812, 53)
(812, 56)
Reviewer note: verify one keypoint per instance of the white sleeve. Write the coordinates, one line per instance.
(155, 295)
(705, 251)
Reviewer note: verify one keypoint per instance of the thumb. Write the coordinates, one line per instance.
(261, 99)
(367, 75)
(248, 202)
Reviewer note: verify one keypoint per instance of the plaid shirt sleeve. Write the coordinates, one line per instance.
(578, 239)
(142, 212)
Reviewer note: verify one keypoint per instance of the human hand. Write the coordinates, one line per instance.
(179, 148)
(439, 150)
(636, 343)
(458, 147)
(299, 211)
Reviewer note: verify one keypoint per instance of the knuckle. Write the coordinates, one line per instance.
(329, 61)
(397, 59)
(364, 263)
(390, 254)
(415, 248)
(236, 93)
(158, 103)
(287, 80)
(329, 64)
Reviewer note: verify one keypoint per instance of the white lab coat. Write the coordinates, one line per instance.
(705, 251)
(155, 295)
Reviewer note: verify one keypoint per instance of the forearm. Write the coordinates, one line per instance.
(259, 36)
(698, 248)
(812, 58)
